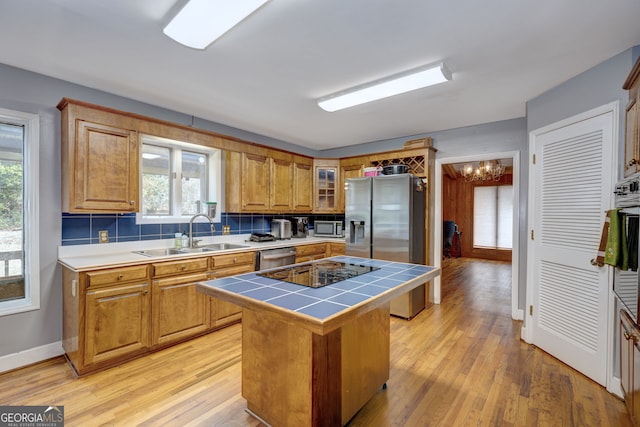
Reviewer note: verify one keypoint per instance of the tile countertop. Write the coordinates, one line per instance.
(93, 257)
(324, 309)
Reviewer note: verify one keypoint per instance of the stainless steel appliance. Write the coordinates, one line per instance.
(300, 227)
(281, 228)
(328, 229)
(278, 257)
(385, 219)
(625, 282)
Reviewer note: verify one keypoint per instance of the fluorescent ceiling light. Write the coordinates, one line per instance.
(200, 22)
(384, 88)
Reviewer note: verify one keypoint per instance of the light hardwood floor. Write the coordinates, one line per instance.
(459, 363)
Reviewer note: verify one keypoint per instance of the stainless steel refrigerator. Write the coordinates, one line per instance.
(385, 219)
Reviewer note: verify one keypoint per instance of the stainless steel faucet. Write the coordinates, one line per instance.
(193, 243)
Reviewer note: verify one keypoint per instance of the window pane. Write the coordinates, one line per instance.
(194, 183)
(505, 216)
(484, 217)
(12, 285)
(156, 184)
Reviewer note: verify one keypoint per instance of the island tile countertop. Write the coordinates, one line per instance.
(324, 309)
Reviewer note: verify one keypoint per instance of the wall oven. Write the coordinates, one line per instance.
(626, 285)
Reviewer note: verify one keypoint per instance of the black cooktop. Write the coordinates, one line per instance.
(318, 274)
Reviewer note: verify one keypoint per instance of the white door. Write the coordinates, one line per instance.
(570, 185)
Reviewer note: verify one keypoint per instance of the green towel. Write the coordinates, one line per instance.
(613, 252)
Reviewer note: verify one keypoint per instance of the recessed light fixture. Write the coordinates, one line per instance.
(200, 22)
(394, 85)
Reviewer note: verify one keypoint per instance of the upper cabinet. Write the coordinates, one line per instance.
(326, 184)
(632, 128)
(100, 164)
(269, 182)
(302, 184)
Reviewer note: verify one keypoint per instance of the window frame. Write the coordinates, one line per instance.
(214, 178)
(31, 175)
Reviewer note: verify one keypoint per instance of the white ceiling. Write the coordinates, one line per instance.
(265, 75)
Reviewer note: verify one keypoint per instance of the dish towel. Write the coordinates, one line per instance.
(612, 253)
(599, 259)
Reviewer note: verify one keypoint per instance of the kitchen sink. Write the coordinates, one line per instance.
(204, 248)
(159, 252)
(221, 246)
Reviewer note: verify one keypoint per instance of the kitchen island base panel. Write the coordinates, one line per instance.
(293, 377)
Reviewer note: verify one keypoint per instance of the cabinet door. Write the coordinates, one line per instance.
(255, 183)
(326, 188)
(179, 310)
(631, 141)
(281, 188)
(302, 187)
(106, 169)
(223, 312)
(626, 360)
(117, 322)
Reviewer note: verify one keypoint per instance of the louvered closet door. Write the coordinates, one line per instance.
(571, 188)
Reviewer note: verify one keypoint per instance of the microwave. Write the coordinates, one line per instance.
(328, 229)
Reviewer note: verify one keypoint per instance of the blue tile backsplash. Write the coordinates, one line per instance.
(82, 229)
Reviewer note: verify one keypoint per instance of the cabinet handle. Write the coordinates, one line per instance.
(132, 202)
(235, 260)
(183, 267)
(120, 277)
(627, 336)
(145, 292)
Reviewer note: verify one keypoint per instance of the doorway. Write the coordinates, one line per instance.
(440, 164)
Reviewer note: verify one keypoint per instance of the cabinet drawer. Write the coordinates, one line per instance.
(116, 275)
(308, 250)
(231, 271)
(179, 267)
(234, 259)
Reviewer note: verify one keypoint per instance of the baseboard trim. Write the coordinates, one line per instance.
(13, 361)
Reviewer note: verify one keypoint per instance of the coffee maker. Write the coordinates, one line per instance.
(299, 226)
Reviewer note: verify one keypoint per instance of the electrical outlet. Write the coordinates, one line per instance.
(103, 236)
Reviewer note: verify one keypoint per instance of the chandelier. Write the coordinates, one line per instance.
(489, 170)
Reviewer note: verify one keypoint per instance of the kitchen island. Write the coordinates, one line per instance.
(313, 356)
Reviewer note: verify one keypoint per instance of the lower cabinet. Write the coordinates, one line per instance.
(222, 312)
(630, 365)
(311, 252)
(336, 248)
(117, 322)
(179, 310)
(116, 314)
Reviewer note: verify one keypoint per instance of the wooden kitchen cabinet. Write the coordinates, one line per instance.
(349, 169)
(222, 312)
(100, 163)
(281, 185)
(629, 337)
(311, 252)
(326, 181)
(335, 249)
(255, 178)
(106, 316)
(274, 182)
(179, 310)
(632, 122)
(302, 185)
(117, 322)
